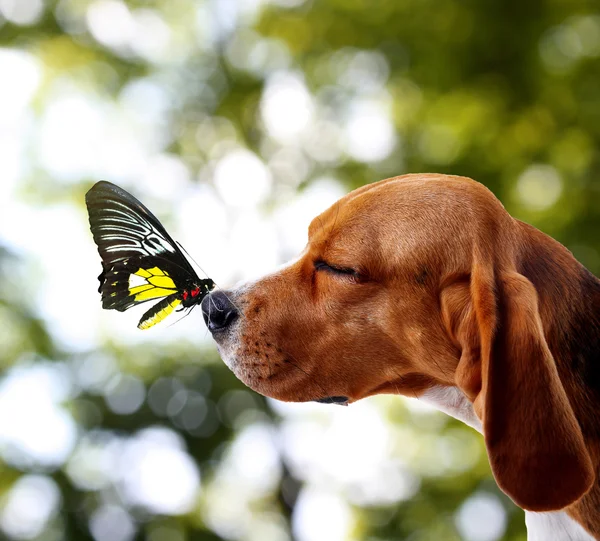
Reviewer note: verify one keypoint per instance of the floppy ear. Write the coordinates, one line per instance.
(534, 442)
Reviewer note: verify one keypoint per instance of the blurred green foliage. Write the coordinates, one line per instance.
(504, 91)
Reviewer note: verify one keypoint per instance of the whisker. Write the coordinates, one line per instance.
(229, 299)
(433, 359)
(208, 322)
(400, 378)
(337, 213)
(212, 301)
(320, 223)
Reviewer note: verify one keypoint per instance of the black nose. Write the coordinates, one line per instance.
(218, 311)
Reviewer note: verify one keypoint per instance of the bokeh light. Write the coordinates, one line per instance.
(29, 506)
(35, 428)
(481, 518)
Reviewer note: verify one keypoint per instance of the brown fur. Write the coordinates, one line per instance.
(450, 290)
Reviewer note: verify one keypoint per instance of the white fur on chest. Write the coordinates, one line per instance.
(452, 401)
(555, 526)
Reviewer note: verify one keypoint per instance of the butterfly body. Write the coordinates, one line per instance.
(140, 261)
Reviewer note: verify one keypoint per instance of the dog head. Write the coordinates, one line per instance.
(407, 285)
(358, 313)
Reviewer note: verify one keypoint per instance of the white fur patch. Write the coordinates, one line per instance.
(452, 401)
(557, 526)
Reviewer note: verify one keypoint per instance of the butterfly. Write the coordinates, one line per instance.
(140, 261)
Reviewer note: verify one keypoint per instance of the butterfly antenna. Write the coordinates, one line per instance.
(171, 262)
(188, 254)
(206, 274)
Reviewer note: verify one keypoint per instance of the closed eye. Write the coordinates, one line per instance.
(334, 269)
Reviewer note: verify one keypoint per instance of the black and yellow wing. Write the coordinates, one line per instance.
(140, 260)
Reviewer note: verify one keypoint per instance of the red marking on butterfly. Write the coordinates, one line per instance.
(185, 295)
(195, 292)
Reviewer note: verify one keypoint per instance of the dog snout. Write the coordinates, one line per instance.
(218, 311)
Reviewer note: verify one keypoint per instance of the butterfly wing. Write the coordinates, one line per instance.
(140, 261)
(135, 281)
(123, 228)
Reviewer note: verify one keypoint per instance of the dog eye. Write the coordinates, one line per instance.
(322, 266)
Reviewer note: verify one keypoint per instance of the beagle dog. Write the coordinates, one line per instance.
(423, 285)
